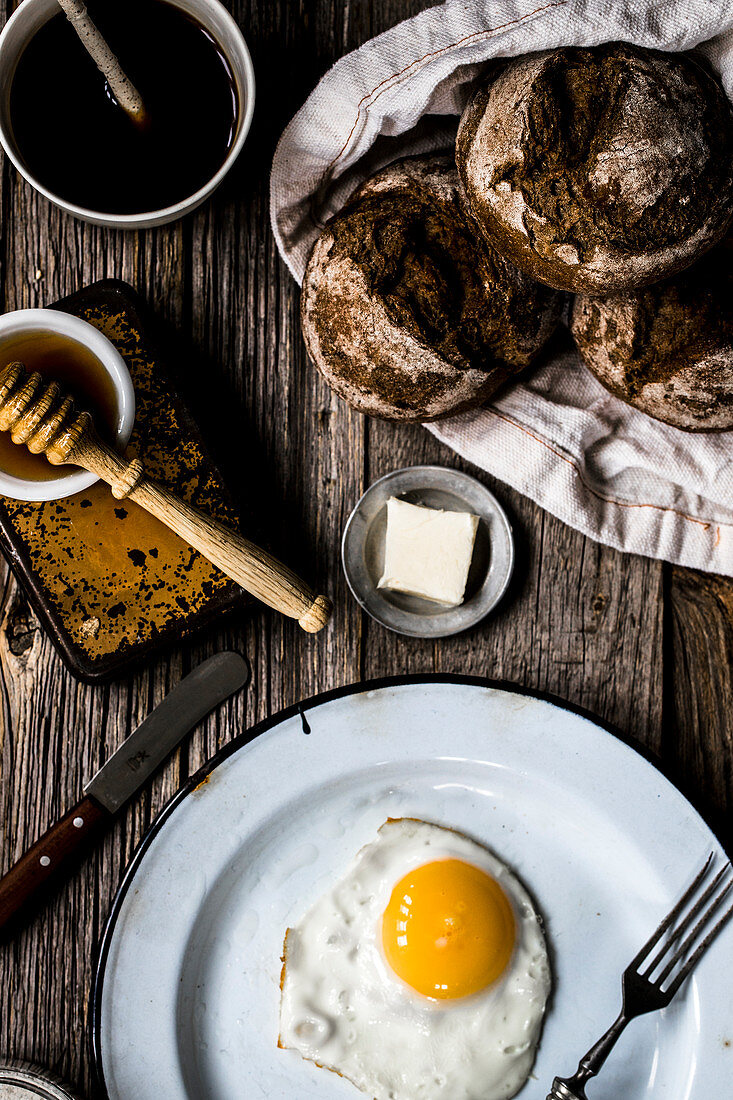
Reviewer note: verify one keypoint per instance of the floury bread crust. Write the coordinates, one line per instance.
(600, 170)
(668, 349)
(404, 311)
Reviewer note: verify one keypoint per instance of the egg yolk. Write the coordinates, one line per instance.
(448, 930)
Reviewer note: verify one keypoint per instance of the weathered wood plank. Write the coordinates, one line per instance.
(305, 445)
(580, 621)
(56, 732)
(698, 734)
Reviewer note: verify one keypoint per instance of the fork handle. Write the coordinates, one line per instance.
(573, 1088)
(561, 1091)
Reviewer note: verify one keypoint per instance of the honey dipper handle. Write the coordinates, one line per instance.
(248, 564)
(245, 562)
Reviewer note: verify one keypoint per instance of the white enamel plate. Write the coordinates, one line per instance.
(187, 994)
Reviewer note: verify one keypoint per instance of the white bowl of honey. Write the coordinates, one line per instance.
(66, 134)
(82, 360)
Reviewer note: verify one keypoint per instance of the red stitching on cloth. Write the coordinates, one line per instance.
(705, 524)
(375, 92)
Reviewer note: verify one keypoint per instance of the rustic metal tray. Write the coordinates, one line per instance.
(110, 583)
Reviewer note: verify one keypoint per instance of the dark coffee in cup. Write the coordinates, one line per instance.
(78, 142)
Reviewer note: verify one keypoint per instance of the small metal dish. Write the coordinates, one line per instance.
(362, 551)
(20, 1081)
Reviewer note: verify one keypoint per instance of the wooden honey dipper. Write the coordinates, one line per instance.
(38, 414)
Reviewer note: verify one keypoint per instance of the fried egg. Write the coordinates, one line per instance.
(422, 974)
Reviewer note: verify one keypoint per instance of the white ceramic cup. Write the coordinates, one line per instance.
(211, 14)
(64, 324)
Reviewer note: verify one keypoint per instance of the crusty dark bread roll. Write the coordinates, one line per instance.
(404, 312)
(667, 349)
(600, 170)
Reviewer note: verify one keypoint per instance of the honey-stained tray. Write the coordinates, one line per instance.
(110, 583)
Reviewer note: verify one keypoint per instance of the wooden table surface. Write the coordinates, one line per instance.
(646, 646)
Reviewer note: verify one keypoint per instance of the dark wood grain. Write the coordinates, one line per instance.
(644, 646)
(698, 728)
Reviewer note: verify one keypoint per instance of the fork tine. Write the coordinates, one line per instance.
(691, 916)
(700, 951)
(656, 936)
(687, 943)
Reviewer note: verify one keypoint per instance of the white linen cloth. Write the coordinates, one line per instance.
(557, 436)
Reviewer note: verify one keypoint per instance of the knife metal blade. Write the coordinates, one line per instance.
(155, 738)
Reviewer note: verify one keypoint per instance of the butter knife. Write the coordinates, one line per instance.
(209, 684)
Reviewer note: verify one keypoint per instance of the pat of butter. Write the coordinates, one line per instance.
(428, 552)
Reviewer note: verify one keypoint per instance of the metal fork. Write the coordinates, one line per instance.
(643, 991)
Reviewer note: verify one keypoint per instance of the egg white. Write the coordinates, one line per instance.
(343, 1007)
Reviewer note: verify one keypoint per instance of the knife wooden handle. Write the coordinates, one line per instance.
(33, 871)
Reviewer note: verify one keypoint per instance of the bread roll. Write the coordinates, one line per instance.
(404, 312)
(668, 349)
(600, 170)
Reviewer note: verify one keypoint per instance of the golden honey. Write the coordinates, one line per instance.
(80, 374)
